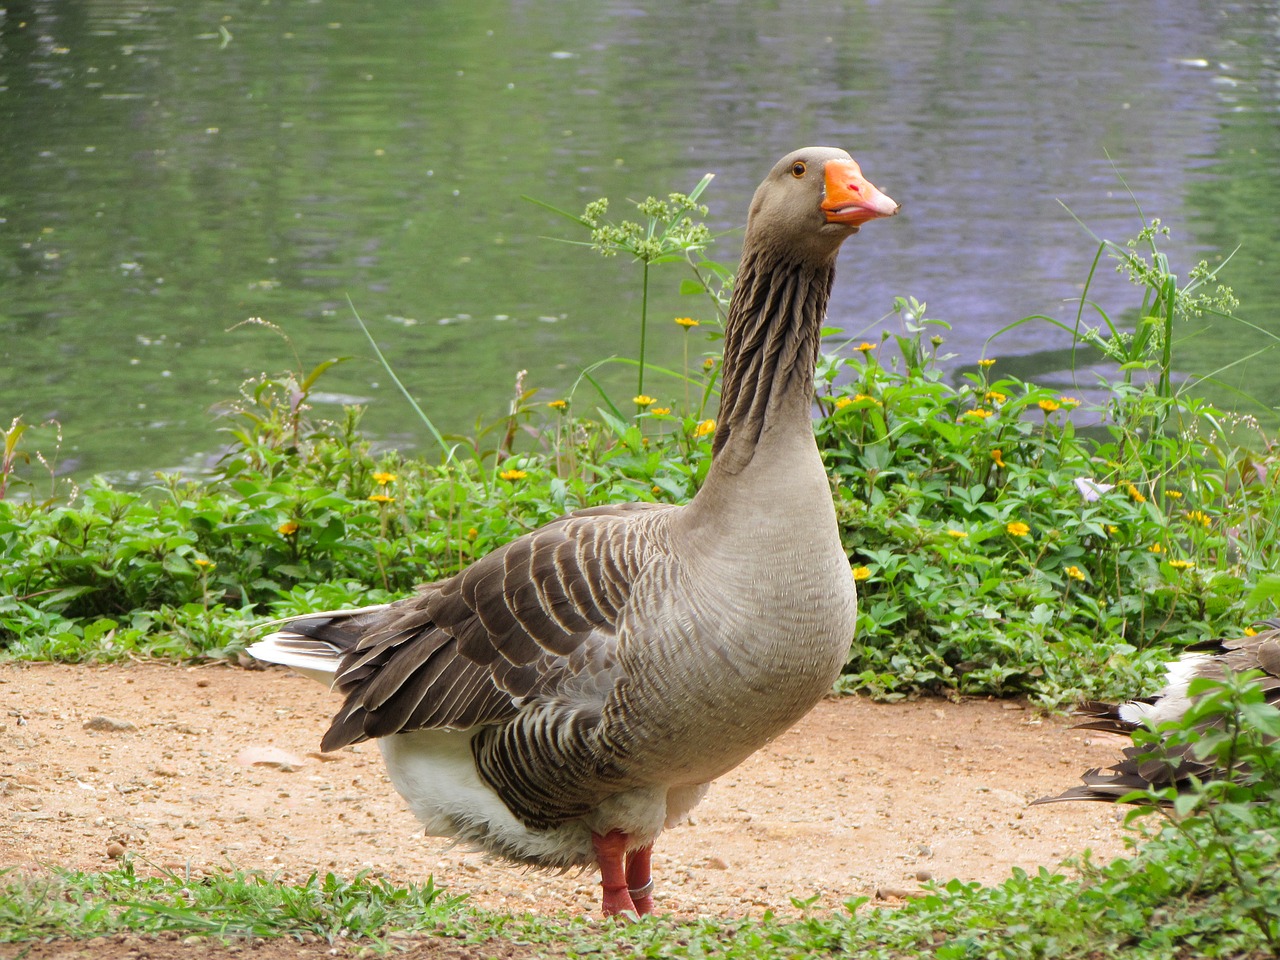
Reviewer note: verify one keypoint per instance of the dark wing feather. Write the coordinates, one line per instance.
(1106, 716)
(1174, 767)
(515, 624)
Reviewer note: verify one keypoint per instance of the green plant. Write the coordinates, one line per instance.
(998, 544)
(669, 233)
(1223, 756)
(234, 903)
(1145, 398)
(11, 454)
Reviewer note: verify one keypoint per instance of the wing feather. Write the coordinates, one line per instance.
(1173, 766)
(516, 625)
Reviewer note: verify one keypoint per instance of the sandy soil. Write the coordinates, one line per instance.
(198, 768)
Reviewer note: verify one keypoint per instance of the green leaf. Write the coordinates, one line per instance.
(1265, 589)
(1184, 803)
(316, 372)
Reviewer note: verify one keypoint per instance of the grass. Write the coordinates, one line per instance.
(1168, 901)
(1000, 548)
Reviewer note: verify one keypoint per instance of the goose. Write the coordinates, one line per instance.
(564, 699)
(1211, 659)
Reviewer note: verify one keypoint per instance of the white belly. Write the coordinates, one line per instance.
(434, 771)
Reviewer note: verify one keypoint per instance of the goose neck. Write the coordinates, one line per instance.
(771, 347)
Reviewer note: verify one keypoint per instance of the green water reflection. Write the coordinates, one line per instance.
(168, 171)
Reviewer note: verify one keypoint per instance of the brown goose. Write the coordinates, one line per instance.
(1212, 660)
(568, 696)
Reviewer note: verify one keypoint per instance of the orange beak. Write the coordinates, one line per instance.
(851, 198)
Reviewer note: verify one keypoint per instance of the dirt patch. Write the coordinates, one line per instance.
(158, 761)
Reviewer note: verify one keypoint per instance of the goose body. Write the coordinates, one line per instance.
(570, 695)
(1212, 660)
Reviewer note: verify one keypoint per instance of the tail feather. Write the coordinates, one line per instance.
(311, 658)
(313, 644)
(1108, 786)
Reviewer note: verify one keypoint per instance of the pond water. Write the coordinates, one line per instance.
(170, 170)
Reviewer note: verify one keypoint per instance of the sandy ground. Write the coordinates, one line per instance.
(180, 767)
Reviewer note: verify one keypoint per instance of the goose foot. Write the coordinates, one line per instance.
(621, 875)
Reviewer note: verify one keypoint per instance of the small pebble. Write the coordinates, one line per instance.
(108, 725)
(715, 863)
(924, 875)
(115, 849)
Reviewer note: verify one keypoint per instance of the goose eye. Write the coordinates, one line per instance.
(798, 168)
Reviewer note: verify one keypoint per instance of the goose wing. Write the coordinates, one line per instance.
(523, 621)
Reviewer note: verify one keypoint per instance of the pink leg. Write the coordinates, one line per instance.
(640, 879)
(610, 850)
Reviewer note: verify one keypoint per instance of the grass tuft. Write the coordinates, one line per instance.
(237, 903)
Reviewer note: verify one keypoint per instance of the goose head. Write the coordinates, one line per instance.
(811, 201)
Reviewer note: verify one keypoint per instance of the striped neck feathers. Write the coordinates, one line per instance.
(771, 347)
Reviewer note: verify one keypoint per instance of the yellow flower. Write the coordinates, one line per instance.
(643, 400)
(686, 322)
(1018, 528)
(661, 411)
(958, 534)
(656, 489)
(1250, 632)
(288, 528)
(997, 456)
(1069, 402)
(864, 347)
(979, 413)
(842, 402)
(709, 364)
(704, 428)
(861, 573)
(1112, 528)
(987, 362)
(203, 563)
(381, 498)
(384, 478)
(1156, 548)
(472, 533)
(513, 474)
(1075, 573)
(1198, 516)
(1173, 494)
(1048, 406)
(863, 396)
(1135, 493)
(994, 396)
(557, 404)
(1181, 564)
